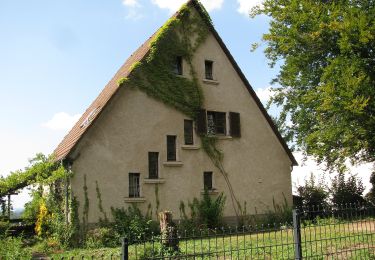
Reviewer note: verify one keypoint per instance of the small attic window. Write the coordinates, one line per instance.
(177, 66)
(208, 65)
(90, 117)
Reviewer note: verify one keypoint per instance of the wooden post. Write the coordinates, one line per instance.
(169, 237)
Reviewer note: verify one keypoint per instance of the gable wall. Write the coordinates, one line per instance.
(134, 124)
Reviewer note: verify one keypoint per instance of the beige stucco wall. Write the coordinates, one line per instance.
(134, 124)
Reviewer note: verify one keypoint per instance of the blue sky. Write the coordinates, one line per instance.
(56, 56)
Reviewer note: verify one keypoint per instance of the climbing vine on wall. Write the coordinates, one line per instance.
(155, 76)
(86, 207)
(100, 204)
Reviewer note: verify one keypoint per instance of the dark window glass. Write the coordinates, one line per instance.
(178, 66)
(216, 123)
(171, 148)
(209, 69)
(134, 189)
(207, 180)
(153, 165)
(235, 124)
(188, 132)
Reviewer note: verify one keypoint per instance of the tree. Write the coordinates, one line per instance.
(346, 191)
(327, 76)
(370, 196)
(313, 193)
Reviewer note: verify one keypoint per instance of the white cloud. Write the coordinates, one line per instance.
(134, 15)
(246, 5)
(264, 94)
(61, 121)
(131, 3)
(173, 5)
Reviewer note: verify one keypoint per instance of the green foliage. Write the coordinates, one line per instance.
(12, 248)
(206, 212)
(100, 204)
(370, 196)
(326, 83)
(154, 75)
(42, 170)
(347, 190)
(32, 207)
(314, 193)
(86, 207)
(132, 223)
(102, 237)
(4, 226)
(280, 215)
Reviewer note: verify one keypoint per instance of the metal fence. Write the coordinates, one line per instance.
(345, 232)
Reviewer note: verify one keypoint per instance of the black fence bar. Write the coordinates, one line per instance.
(297, 234)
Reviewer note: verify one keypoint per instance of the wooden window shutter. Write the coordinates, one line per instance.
(235, 124)
(202, 122)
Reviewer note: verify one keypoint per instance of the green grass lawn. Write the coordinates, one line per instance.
(334, 240)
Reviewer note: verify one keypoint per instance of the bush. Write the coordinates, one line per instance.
(12, 248)
(131, 222)
(347, 191)
(204, 213)
(4, 226)
(102, 237)
(280, 215)
(314, 193)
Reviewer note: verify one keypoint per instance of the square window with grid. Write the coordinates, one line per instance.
(216, 123)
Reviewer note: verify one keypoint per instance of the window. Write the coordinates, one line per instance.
(216, 123)
(177, 69)
(188, 132)
(171, 148)
(134, 189)
(209, 69)
(153, 165)
(235, 124)
(207, 180)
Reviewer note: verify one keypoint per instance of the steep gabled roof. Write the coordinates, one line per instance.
(92, 113)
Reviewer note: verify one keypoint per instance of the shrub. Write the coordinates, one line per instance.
(132, 222)
(32, 207)
(207, 212)
(278, 216)
(347, 191)
(314, 193)
(12, 248)
(4, 226)
(102, 237)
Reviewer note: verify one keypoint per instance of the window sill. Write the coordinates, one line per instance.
(211, 81)
(224, 137)
(153, 181)
(190, 147)
(173, 164)
(135, 200)
(211, 192)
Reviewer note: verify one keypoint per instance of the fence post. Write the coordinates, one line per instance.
(125, 249)
(297, 234)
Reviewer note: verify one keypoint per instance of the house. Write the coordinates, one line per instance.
(177, 118)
